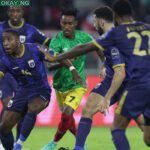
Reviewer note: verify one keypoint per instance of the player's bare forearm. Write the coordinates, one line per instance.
(77, 51)
(119, 76)
(101, 55)
(53, 66)
(63, 63)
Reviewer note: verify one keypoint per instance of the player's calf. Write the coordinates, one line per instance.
(147, 131)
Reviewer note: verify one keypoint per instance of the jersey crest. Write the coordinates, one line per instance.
(22, 38)
(31, 63)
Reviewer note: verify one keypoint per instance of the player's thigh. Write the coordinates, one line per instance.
(37, 104)
(10, 118)
(60, 99)
(147, 135)
(120, 122)
(91, 106)
(74, 97)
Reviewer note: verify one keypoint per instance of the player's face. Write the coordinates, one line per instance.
(97, 26)
(15, 13)
(10, 43)
(68, 25)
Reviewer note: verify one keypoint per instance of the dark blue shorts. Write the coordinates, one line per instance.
(135, 100)
(8, 85)
(22, 98)
(104, 86)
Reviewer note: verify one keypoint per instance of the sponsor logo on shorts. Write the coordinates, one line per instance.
(10, 103)
(43, 98)
(98, 85)
(1, 94)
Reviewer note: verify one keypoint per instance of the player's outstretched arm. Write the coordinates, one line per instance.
(77, 51)
(53, 66)
(119, 76)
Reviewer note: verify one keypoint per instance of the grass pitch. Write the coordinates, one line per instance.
(98, 139)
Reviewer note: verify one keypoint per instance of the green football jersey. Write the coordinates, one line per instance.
(62, 79)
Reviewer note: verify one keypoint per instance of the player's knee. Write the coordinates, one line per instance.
(147, 141)
(4, 127)
(34, 109)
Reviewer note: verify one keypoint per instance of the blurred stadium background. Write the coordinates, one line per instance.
(45, 15)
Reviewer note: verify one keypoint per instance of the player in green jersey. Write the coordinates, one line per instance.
(68, 94)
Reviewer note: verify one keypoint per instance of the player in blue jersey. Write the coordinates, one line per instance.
(25, 63)
(132, 40)
(28, 34)
(114, 63)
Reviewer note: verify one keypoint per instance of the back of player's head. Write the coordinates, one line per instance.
(70, 12)
(13, 32)
(104, 12)
(122, 8)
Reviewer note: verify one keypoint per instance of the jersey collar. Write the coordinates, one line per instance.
(130, 22)
(12, 26)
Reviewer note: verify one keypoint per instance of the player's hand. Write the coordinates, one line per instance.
(48, 57)
(76, 77)
(104, 106)
(102, 72)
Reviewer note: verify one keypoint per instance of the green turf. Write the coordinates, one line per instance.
(98, 139)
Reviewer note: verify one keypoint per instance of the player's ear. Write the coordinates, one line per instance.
(116, 17)
(102, 22)
(76, 22)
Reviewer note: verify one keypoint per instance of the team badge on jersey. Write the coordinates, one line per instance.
(10, 103)
(22, 38)
(31, 63)
(114, 53)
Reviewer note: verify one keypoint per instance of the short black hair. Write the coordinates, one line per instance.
(104, 12)
(70, 12)
(13, 32)
(122, 8)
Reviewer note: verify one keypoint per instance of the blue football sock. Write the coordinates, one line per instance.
(120, 140)
(19, 126)
(27, 126)
(7, 140)
(82, 132)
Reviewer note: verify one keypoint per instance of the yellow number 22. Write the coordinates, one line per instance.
(138, 42)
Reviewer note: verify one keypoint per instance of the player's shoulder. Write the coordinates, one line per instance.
(58, 37)
(30, 26)
(32, 46)
(79, 32)
(83, 36)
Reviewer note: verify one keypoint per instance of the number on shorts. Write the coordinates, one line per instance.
(72, 98)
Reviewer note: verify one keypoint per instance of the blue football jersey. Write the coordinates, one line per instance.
(132, 39)
(28, 70)
(28, 33)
